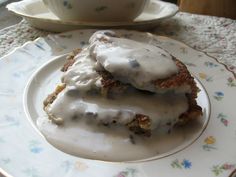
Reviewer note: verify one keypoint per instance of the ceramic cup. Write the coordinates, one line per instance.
(96, 10)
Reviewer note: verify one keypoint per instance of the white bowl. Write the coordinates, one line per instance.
(96, 10)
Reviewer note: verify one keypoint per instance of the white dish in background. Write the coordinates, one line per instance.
(37, 14)
(96, 10)
(211, 154)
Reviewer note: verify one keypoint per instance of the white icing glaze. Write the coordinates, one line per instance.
(83, 113)
(130, 61)
(161, 108)
(82, 75)
(81, 133)
(106, 143)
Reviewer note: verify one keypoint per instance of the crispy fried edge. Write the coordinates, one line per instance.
(70, 59)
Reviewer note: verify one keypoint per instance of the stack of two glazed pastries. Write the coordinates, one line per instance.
(121, 82)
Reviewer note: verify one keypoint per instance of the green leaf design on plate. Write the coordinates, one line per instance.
(218, 169)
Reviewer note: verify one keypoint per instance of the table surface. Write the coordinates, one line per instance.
(213, 35)
(7, 18)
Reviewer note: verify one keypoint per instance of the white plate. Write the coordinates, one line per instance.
(23, 152)
(37, 14)
(48, 77)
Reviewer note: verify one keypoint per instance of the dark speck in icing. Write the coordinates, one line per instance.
(134, 63)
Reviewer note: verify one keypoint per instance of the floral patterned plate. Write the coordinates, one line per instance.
(23, 152)
(37, 14)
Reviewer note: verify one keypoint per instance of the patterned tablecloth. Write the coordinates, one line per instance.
(214, 35)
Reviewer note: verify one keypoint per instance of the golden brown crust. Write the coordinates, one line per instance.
(194, 111)
(70, 59)
(51, 97)
(183, 77)
(140, 125)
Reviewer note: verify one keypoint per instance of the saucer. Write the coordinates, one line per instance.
(37, 14)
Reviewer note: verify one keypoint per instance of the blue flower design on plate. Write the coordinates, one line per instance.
(66, 165)
(186, 163)
(5, 160)
(33, 172)
(219, 95)
(2, 140)
(210, 64)
(11, 121)
(36, 150)
(35, 147)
